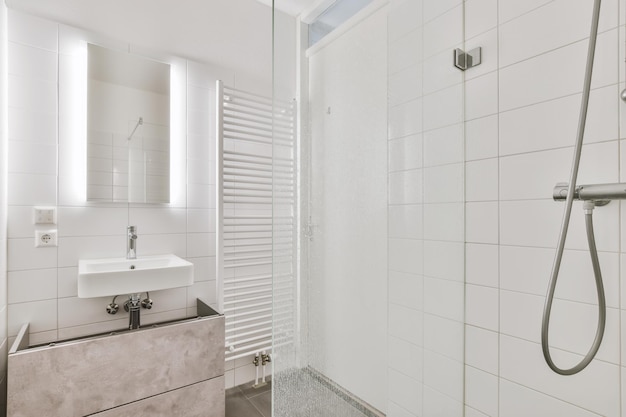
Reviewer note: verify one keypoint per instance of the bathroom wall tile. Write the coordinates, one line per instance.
(443, 374)
(444, 184)
(528, 270)
(510, 9)
(92, 221)
(404, 17)
(574, 327)
(67, 282)
(481, 264)
(20, 221)
(405, 85)
(444, 260)
(201, 196)
(200, 244)
(433, 9)
(552, 167)
(42, 316)
(522, 362)
(536, 223)
(480, 16)
(164, 243)
(519, 401)
(406, 221)
(395, 410)
(405, 358)
(481, 349)
(444, 146)
(444, 298)
(406, 392)
(33, 31)
(199, 146)
(204, 268)
(481, 391)
(28, 61)
(444, 31)
(482, 222)
(481, 96)
(71, 249)
(443, 108)
(439, 74)
(405, 51)
(205, 290)
(406, 324)
(43, 337)
(444, 336)
(529, 223)
(151, 221)
(32, 94)
(201, 220)
(539, 79)
(406, 255)
(23, 129)
(23, 255)
(470, 412)
(32, 189)
(481, 179)
(73, 311)
(437, 402)
(405, 153)
(153, 317)
(405, 119)
(199, 98)
(481, 307)
(32, 285)
(119, 323)
(488, 41)
(199, 173)
(405, 187)
(444, 222)
(481, 138)
(406, 289)
(553, 124)
(555, 25)
(32, 158)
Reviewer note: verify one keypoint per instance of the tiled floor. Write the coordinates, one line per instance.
(299, 395)
(246, 401)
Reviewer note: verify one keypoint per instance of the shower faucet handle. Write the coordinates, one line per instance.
(602, 194)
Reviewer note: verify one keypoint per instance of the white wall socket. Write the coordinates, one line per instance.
(45, 215)
(45, 238)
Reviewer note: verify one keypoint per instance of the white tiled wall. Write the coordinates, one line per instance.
(3, 206)
(519, 124)
(47, 136)
(426, 219)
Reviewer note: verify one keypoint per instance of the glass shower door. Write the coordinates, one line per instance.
(379, 246)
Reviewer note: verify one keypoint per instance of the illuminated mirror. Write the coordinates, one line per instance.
(128, 128)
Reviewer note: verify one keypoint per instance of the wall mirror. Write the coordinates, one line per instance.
(128, 128)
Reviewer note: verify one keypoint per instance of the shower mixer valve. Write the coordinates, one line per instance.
(600, 194)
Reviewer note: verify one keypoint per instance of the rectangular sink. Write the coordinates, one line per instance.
(120, 276)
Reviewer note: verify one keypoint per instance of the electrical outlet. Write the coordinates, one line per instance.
(45, 215)
(45, 238)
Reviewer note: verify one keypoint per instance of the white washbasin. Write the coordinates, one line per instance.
(121, 276)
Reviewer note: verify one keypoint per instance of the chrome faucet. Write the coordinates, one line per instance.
(131, 243)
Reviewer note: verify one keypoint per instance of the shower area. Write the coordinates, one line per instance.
(430, 137)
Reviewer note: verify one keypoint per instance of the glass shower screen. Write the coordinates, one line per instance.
(369, 231)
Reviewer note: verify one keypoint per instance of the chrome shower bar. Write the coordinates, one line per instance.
(596, 192)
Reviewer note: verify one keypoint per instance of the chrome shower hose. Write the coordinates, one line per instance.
(589, 226)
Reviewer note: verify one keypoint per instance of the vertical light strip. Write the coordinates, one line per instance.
(219, 189)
